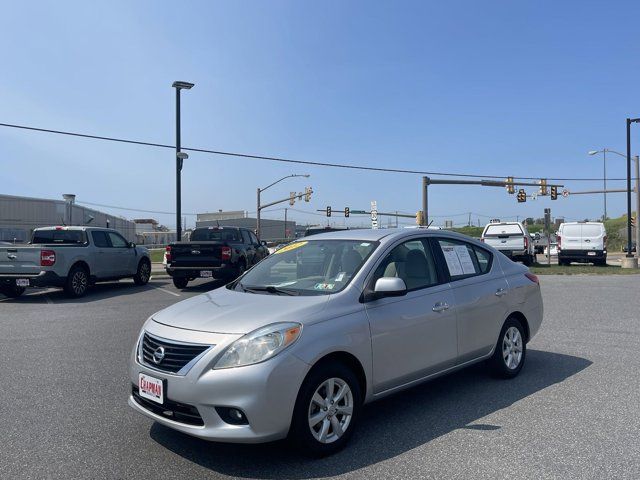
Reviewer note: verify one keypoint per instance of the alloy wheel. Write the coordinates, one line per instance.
(79, 282)
(512, 348)
(331, 410)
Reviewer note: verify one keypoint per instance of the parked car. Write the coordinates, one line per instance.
(214, 252)
(299, 343)
(582, 242)
(510, 238)
(72, 258)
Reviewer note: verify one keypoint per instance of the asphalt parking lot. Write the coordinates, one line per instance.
(574, 412)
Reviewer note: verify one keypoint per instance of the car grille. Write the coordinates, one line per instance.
(179, 412)
(176, 355)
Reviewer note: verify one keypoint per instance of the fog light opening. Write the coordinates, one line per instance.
(232, 416)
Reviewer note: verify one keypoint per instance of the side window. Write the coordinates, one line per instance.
(464, 260)
(254, 239)
(116, 240)
(484, 259)
(100, 239)
(245, 237)
(411, 261)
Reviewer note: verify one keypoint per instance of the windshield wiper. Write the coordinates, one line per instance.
(268, 289)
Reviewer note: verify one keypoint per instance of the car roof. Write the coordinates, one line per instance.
(384, 233)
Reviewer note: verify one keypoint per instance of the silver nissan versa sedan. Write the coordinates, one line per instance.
(300, 342)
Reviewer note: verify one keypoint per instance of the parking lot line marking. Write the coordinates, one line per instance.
(167, 291)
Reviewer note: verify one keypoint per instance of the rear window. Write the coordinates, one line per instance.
(571, 230)
(591, 230)
(215, 235)
(59, 236)
(512, 229)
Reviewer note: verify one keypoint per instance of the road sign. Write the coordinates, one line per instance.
(565, 193)
(374, 214)
(534, 196)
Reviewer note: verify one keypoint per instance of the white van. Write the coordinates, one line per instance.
(582, 242)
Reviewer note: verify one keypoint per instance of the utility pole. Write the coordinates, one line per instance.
(637, 205)
(629, 261)
(425, 200)
(285, 223)
(179, 157)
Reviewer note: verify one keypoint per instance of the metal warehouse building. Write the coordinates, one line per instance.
(20, 215)
(271, 229)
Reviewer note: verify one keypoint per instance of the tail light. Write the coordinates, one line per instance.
(604, 242)
(526, 243)
(47, 258)
(226, 253)
(558, 240)
(532, 277)
(167, 253)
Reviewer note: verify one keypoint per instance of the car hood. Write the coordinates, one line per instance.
(228, 311)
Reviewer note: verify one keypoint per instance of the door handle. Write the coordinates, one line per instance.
(440, 307)
(500, 292)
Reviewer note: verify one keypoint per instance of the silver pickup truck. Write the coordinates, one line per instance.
(512, 239)
(73, 258)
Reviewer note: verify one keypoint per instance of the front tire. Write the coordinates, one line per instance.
(180, 282)
(77, 282)
(143, 274)
(326, 410)
(510, 351)
(12, 291)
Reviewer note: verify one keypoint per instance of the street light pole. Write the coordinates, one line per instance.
(178, 85)
(630, 262)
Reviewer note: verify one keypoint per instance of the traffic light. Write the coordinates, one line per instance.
(511, 189)
(554, 193)
(328, 211)
(307, 193)
(420, 217)
(522, 196)
(543, 187)
(346, 212)
(292, 198)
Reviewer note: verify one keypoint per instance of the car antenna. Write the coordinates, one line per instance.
(430, 223)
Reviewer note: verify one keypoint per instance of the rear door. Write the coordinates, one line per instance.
(478, 288)
(101, 264)
(592, 237)
(249, 247)
(571, 237)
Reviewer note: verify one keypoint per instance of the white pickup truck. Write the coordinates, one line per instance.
(72, 258)
(510, 238)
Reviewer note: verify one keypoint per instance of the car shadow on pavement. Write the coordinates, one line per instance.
(389, 427)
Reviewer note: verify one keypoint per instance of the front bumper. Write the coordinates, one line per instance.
(40, 279)
(265, 392)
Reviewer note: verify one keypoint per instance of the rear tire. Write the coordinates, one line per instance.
(335, 412)
(77, 282)
(180, 282)
(12, 291)
(143, 274)
(510, 351)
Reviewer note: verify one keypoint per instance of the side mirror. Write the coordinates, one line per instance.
(132, 245)
(263, 243)
(389, 287)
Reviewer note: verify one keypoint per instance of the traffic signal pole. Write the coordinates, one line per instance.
(425, 200)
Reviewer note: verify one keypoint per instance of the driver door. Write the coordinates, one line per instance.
(415, 335)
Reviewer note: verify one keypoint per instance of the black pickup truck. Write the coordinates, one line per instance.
(214, 252)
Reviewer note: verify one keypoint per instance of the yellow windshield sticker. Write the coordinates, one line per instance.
(290, 247)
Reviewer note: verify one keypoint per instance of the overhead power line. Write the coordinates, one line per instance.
(287, 160)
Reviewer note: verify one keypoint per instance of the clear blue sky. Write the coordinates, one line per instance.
(493, 87)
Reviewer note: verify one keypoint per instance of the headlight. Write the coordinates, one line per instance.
(260, 345)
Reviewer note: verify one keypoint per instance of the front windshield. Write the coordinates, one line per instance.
(312, 267)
